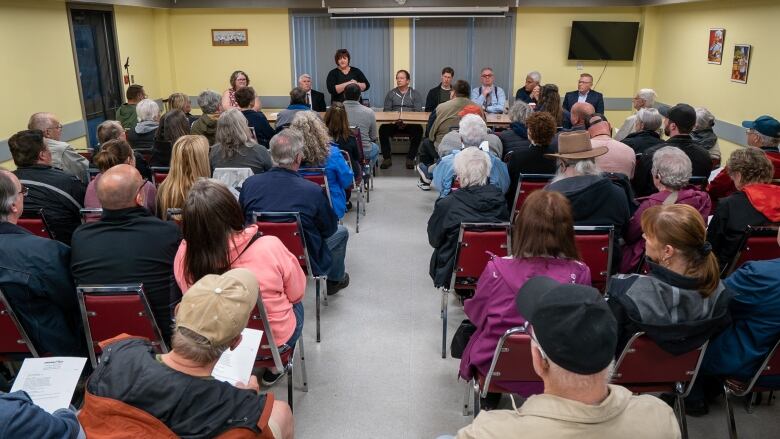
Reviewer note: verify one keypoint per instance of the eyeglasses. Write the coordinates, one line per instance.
(487, 75)
(24, 191)
(530, 330)
(56, 127)
(584, 82)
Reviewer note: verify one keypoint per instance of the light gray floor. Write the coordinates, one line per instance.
(378, 372)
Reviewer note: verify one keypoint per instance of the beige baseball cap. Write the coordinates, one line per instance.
(217, 307)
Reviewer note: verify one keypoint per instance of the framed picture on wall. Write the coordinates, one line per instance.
(229, 37)
(715, 46)
(741, 63)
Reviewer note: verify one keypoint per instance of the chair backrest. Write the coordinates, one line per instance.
(13, 337)
(527, 184)
(233, 177)
(317, 175)
(769, 367)
(90, 214)
(174, 214)
(475, 240)
(111, 310)
(347, 158)
(644, 366)
(288, 228)
(595, 245)
(159, 173)
(359, 139)
(758, 244)
(701, 182)
(37, 225)
(512, 360)
(268, 346)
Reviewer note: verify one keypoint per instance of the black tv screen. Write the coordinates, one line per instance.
(603, 40)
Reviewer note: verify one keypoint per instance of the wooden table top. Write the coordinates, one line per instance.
(413, 117)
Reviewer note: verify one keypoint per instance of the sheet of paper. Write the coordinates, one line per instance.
(50, 382)
(236, 365)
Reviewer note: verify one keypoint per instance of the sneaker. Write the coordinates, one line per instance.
(409, 163)
(349, 206)
(386, 163)
(423, 171)
(424, 186)
(270, 378)
(336, 286)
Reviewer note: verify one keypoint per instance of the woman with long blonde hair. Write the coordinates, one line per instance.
(189, 162)
(180, 101)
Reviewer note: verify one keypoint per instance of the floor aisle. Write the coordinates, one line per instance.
(377, 372)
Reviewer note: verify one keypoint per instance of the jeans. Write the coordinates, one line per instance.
(298, 311)
(428, 153)
(414, 131)
(337, 243)
(372, 153)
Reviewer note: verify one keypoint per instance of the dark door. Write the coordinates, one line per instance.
(96, 54)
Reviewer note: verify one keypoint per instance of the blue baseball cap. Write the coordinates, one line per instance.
(766, 125)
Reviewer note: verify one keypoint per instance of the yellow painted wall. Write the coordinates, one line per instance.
(402, 55)
(139, 39)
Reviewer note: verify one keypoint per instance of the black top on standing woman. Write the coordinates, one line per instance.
(343, 75)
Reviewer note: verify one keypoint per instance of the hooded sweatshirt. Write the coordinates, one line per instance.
(409, 101)
(127, 116)
(206, 126)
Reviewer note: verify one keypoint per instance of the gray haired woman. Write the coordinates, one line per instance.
(517, 134)
(235, 147)
(703, 133)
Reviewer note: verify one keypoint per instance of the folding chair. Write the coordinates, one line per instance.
(475, 243)
(735, 387)
(512, 362)
(643, 367)
(368, 172)
(269, 356)
(111, 310)
(174, 214)
(758, 244)
(288, 228)
(13, 338)
(527, 184)
(357, 183)
(90, 214)
(595, 244)
(37, 225)
(159, 173)
(317, 175)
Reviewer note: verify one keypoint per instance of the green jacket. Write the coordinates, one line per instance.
(127, 116)
(206, 125)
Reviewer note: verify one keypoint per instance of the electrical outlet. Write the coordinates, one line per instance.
(579, 65)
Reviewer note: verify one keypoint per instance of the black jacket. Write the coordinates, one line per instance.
(515, 137)
(641, 141)
(129, 246)
(523, 95)
(335, 77)
(479, 204)
(35, 278)
(700, 159)
(432, 99)
(141, 141)
(528, 160)
(729, 223)
(317, 101)
(350, 146)
(258, 121)
(61, 214)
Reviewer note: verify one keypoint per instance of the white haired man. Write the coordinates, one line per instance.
(647, 130)
(63, 155)
(314, 99)
(526, 93)
(644, 98)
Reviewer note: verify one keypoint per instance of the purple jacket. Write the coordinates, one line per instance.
(492, 309)
(634, 247)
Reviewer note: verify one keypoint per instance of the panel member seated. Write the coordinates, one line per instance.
(402, 99)
(529, 93)
(314, 99)
(584, 93)
(488, 95)
(442, 92)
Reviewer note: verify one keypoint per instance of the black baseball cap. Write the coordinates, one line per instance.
(572, 323)
(683, 115)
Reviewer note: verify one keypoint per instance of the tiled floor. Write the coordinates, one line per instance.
(378, 372)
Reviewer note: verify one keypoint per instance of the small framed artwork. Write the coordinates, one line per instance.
(741, 63)
(229, 37)
(715, 46)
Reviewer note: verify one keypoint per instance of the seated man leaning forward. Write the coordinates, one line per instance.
(174, 393)
(573, 337)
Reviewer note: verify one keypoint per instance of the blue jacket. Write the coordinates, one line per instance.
(35, 277)
(739, 350)
(340, 176)
(21, 418)
(444, 173)
(283, 190)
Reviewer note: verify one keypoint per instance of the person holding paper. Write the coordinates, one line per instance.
(20, 417)
(175, 393)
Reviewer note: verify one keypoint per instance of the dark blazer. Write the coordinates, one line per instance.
(594, 98)
(317, 101)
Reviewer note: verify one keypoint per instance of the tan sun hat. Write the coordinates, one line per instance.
(218, 307)
(576, 145)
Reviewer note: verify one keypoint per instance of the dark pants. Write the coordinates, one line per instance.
(428, 154)
(388, 130)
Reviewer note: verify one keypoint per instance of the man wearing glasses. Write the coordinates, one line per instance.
(584, 93)
(63, 156)
(488, 95)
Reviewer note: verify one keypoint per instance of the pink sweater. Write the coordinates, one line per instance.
(282, 282)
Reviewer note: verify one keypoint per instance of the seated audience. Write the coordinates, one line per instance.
(704, 134)
(189, 162)
(681, 302)
(645, 134)
(60, 195)
(63, 155)
(319, 152)
(283, 189)
(550, 102)
(671, 172)
(211, 106)
(679, 123)
(35, 278)
(580, 113)
(529, 93)
(620, 158)
(644, 98)
(173, 394)
(573, 343)
(532, 159)
(112, 153)
(338, 129)
(363, 118)
(112, 130)
(402, 98)
(452, 141)
(314, 99)
(488, 95)
(441, 93)
(756, 202)
(21, 417)
(215, 241)
(447, 112)
(235, 147)
(128, 245)
(762, 133)
(585, 93)
(126, 113)
(238, 80)
(141, 136)
(173, 125)
(180, 101)
(516, 136)
(475, 201)
(472, 132)
(262, 130)
(542, 245)
(297, 103)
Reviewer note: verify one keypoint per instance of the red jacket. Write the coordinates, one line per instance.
(722, 185)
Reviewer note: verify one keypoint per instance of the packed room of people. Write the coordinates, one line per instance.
(419, 219)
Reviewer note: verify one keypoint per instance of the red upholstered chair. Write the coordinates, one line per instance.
(89, 215)
(643, 367)
(87, 155)
(288, 228)
(269, 356)
(512, 362)
(36, 224)
(595, 244)
(13, 338)
(476, 241)
(758, 244)
(159, 173)
(736, 387)
(529, 183)
(368, 173)
(317, 175)
(111, 310)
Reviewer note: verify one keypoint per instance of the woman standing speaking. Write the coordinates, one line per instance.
(343, 75)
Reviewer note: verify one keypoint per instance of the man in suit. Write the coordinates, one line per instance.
(314, 99)
(584, 93)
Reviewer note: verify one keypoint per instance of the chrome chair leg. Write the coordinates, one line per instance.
(290, 385)
(444, 304)
(732, 423)
(477, 407)
(317, 305)
(466, 398)
(302, 354)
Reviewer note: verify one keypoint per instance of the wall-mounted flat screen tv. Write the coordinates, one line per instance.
(603, 40)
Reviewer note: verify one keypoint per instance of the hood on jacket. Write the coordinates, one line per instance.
(207, 123)
(765, 198)
(146, 126)
(485, 198)
(706, 138)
